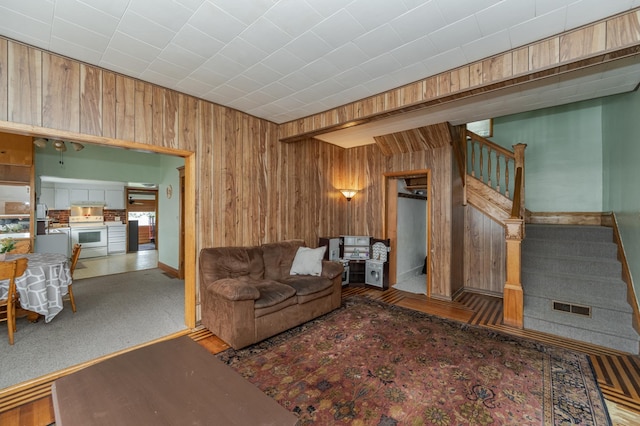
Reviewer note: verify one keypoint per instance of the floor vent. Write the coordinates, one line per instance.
(571, 308)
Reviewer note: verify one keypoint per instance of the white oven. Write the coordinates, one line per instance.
(93, 239)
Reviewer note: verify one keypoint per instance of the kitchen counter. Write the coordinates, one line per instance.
(16, 235)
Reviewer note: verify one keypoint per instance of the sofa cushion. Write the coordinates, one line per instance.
(272, 293)
(308, 261)
(233, 289)
(306, 284)
(278, 258)
(231, 262)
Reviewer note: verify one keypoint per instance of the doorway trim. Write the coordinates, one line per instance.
(189, 196)
(390, 215)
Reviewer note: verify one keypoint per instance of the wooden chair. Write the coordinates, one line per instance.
(9, 271)
(75, 255)
(22, 247)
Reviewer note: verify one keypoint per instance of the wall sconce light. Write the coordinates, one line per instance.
(40, 142)
(59, 145)
(349, 193)
(76, 146)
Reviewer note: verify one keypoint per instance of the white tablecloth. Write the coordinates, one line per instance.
(43, 284)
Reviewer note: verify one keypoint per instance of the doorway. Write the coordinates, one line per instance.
(419, 180)
(142, 219)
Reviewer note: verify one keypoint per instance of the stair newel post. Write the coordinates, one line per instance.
(513, 297)
(518, 154)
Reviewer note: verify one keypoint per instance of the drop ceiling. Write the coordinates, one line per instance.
(285, 59)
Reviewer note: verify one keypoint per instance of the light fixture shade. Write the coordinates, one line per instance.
(59, 145)
(349, 193)
(40, 142)
(77, 146)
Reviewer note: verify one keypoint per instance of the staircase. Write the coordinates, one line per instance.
(575, 269)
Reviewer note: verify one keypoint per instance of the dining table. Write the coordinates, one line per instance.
(43, 285)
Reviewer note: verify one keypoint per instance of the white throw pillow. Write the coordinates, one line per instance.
(308, 261)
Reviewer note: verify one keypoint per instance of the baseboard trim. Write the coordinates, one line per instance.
(168, 270)
(570, 218)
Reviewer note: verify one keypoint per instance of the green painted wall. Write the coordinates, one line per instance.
(621, 151)
(563, 159)
(169, 212)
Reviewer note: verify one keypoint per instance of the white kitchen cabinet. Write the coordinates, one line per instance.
(48, 197)
(78, 195)
(96, 195)
(114, 198)
(61, 201)
(116, 238)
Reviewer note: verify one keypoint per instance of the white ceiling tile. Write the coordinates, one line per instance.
(293, 16)
(255, 35)
(216, 23)
(73, 50)
(445, 61)
(176, 54)
(346, 96)
(169, 69)
(413, 72)
(379, 66)
(584, 11)
(487, 46)
(208, 77)
(86, 16)
(455, 10)
(283, 61)
(40, 10)
(277, 90)
(244, 11)
(20, 26)
(328, 7)
(505, 14)
(238, 50)
(338, 29)
(223, 66)
(370, 17)
(418, 22)
(350, 77)
(537, 28)
(455, 34)
(407, 54)
(296, 81)
(308, 47)
(159, 79)
(376, 42)
(167, 13)
(319, 70)
(545, 6)
(133, 47)
(131, 64)
(380, 84)
(263, 98)
(65, 30)
(262, 74)
(114, 8)
(141, 28)
(194, 40)
(346, 56)
(194, 87)
(189, 4)
(244, 104)
(244, 83)
(227, 91)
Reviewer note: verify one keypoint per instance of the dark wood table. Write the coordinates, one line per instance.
(176, 382)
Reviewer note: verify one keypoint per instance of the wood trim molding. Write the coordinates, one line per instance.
(168, 270)
(597, 43)
(569, 218)
(626, 275)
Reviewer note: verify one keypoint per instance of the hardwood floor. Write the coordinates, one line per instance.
(618, 373)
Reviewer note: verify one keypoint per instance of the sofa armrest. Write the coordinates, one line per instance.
(233, 289)
(331, 269)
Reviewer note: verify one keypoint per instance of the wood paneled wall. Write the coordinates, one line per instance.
(599, 42)
(484, 253)
(365, 167)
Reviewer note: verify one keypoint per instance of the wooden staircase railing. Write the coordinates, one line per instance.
(497, 169)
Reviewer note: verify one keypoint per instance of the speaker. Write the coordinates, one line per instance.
(374, 273)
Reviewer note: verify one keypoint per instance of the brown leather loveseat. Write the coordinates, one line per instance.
(248, 294)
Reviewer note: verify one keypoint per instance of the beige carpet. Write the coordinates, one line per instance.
(114, 312)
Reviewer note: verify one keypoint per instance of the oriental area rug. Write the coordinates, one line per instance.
(370, 363)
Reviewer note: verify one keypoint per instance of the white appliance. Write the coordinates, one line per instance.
(374, 273)
(41, 211)
(86, 222)
(116, 237)
(345, 272)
